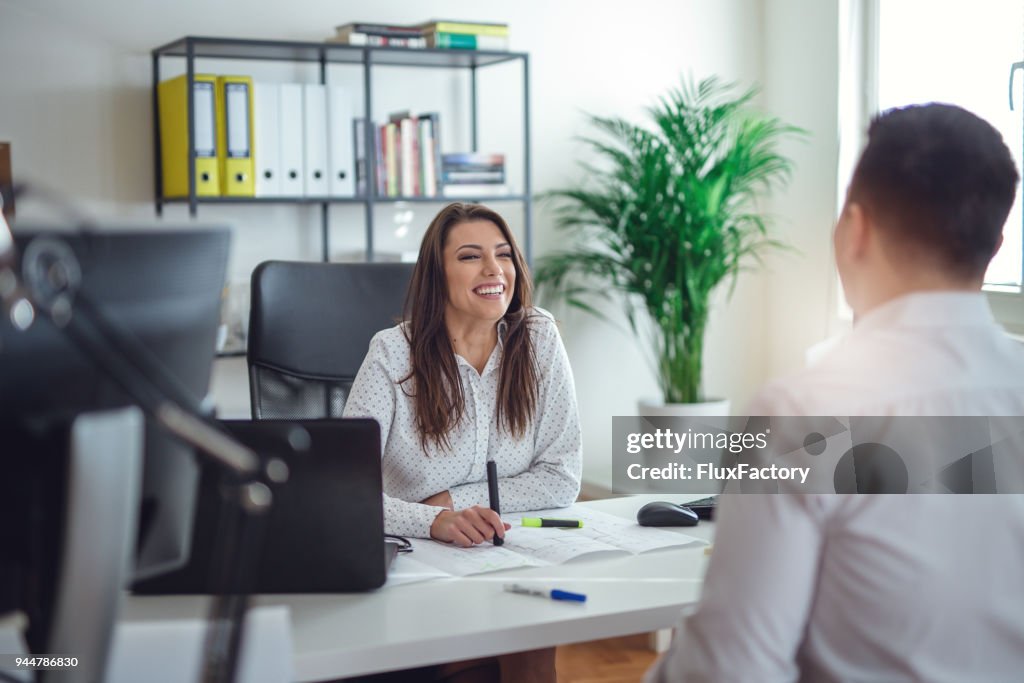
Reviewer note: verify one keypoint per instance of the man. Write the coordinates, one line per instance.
(886, 587)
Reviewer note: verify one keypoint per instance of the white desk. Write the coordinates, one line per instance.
(461, 618)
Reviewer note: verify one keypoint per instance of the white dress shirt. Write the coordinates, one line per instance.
(537, 471)
(873, 587)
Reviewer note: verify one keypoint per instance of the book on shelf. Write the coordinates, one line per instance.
(379, 165)
(479, 28)
(379, 35)
(416, 150)
(391, 161)
(472, 177)
(404, 152)
(449, 35)
(475, 190)
(374, 40)
(472, 161)
(389, 30)
(430, 154)
(408, 135)
(465, 41)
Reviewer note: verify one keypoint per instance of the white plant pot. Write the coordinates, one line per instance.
(657, 408)
(713, 414)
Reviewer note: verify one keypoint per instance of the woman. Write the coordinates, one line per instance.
(475, 373)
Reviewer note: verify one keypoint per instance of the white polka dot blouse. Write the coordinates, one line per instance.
(538, 471)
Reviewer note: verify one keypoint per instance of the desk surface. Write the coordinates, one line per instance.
(460, 618)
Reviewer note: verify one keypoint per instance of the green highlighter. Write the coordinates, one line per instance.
(545, 522)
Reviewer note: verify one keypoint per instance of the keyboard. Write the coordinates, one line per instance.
(704, 507)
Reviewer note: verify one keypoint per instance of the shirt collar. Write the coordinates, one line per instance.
(930, 309)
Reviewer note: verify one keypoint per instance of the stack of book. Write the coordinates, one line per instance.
(473, 174)
(381, 35)
(465, 35)
(407, 152)
(443, 34)
(409, 163)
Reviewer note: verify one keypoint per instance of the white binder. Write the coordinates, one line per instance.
(341, 160)
(267, 134)
(314, 133)
(290, 140)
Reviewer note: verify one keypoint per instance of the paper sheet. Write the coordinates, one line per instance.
(406, 569)
(478, 559)
(602, 534)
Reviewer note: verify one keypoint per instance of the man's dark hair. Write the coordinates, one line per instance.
(939, 180)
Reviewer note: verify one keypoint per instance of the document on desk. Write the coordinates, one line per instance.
(478, 559)
(407, 569)
(602, 535)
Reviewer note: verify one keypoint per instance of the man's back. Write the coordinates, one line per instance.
(921, 588)
(874, 587)
(893, 559)
(922, 354)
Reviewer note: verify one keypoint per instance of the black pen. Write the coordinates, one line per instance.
(492, 490)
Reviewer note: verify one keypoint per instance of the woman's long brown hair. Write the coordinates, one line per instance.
(434, 382)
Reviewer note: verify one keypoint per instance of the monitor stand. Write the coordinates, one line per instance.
(104, 475)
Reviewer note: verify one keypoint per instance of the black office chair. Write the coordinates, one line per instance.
(310, 325)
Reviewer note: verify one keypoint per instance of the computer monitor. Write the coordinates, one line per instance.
(164, 287)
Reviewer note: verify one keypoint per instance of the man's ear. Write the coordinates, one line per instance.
(854, 232)
(999, 243)
(862, 230)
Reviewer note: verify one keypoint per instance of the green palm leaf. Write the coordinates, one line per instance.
(666, 214)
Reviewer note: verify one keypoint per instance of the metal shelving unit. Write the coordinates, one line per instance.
(197, 47)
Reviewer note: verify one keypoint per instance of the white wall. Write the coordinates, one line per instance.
(75, 102)
(801, 87)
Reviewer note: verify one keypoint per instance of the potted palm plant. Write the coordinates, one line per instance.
(667, 214)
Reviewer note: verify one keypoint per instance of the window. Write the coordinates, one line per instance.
(962, 53)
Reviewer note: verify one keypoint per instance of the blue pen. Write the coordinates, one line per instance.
(554, 594)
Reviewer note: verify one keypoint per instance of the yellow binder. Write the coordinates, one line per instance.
(174, 135)
(234, 136)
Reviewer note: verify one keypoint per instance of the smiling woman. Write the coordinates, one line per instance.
(475, 373)
(480, 274)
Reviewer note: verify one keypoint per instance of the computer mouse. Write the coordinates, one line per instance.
(662, 513)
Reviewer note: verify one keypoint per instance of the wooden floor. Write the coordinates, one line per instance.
(617, 660)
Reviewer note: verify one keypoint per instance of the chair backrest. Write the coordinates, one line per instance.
(310, 325)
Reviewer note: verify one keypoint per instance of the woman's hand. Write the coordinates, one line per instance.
(468, 527)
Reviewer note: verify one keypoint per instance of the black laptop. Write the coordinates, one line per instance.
(325, 530)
